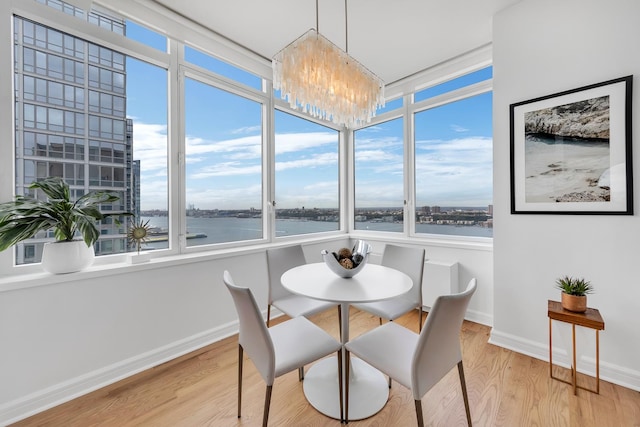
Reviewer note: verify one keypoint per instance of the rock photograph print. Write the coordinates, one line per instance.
(567, 153)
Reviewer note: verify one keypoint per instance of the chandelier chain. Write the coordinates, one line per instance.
(346, 29)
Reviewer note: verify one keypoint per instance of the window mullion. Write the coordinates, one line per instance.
(268, 166)
(409, 168)
(176, 163)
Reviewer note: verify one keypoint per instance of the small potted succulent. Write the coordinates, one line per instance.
(574, 293)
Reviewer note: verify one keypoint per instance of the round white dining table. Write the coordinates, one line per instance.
(368, 387)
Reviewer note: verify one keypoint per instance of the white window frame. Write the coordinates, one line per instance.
(178, 30)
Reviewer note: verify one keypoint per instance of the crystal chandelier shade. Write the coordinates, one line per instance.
(323, 80)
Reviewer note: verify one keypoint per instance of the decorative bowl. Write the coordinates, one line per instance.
(359, 257)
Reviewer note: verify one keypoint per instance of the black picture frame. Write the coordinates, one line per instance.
(571, 151)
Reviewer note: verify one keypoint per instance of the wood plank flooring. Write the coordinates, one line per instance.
(200, 389)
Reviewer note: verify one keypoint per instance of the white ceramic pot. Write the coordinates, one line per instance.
(66, 257)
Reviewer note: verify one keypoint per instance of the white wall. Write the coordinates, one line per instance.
(541, 47)
(63, 336)
(474, 260)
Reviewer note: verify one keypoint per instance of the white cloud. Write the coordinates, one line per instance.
(247, 144)
(320, 194)
(247, 129)
(379, 193)
(294, 142)
(311, 162)
(454, 173)
(450, 172)
(225, 169)
(458, 128)
(150, 147)
(385, 143)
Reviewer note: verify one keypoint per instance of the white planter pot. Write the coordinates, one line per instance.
(66, 257)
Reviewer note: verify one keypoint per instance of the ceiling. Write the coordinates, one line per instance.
(393, 38)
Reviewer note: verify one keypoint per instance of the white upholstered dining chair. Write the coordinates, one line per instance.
(411, 262)
(417, 361)
(280, 349)
(280, 260)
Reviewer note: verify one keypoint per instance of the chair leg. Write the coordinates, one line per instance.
(419, 413)
(300, 373)
(240, 360)
(380, 321)
(268, 314)
(267, 404)
(390, 382)
(419, 319)
(347, 372)
(465, 396)
(340, 378)
(340, 321)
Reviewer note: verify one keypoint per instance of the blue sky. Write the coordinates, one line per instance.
(224, 147)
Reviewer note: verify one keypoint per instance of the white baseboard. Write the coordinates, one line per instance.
(587, 365)
(41, 400)
(472, 316)
(479, 317)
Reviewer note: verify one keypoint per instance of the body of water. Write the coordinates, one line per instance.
(219, 230)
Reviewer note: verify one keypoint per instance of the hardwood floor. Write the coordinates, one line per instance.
(200, 389)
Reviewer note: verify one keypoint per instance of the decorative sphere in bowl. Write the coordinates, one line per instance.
(347, 263)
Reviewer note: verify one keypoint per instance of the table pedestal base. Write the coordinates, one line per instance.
(368, 389)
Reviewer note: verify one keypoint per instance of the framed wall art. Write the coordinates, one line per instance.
(571, 151)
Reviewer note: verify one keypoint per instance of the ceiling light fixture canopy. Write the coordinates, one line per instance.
(325, 81)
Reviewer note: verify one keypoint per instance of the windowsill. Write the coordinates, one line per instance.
(121, 266)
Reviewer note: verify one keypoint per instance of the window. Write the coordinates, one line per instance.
(210, 63)
(51, 123)
(147, 144)
(453, 84)
(391, 105)
(223, 156)
(379, 177)
(146, 36)
(454, 168)
(306, 176)
(98, 117)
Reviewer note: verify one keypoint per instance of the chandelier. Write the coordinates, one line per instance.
(325, 81)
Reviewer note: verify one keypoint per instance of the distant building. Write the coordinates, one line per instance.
(70, 114)
(435, 209)
(490, 210)
(135, 187)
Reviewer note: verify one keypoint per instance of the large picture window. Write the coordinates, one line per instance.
(379, 177)
(454, 168)
(98, 132)
(306, 176)
(223, 157)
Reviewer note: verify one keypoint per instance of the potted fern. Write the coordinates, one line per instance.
(574, 293)
(24, 217)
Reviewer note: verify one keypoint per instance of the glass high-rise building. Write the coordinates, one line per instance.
(70, 115)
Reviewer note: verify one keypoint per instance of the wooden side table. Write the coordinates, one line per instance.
(589, 319)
